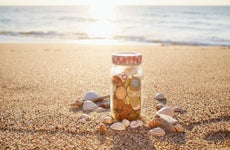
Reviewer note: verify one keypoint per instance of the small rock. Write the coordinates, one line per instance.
(108, 120)
(178, 109)
(88, 105)
(179, 128)
(117, 126)
(166, 111)
(102, 129)
(153, 124)
(84, 116)
(100, 109)
(160, 96)
(126, 122)
(90, 95)
(157, 132)
(134, 124)
(159, 106)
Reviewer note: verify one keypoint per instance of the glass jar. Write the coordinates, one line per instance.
(126, 86)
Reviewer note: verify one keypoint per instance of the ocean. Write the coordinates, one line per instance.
(189, 25)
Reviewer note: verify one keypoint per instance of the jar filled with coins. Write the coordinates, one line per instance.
(126, 86)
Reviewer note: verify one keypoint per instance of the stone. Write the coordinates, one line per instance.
(100, 109)
(159, 106)
(90, 95)
(166, 111)
(178, 109)
(160, 96)
(153, 124)
(88, 105)
(102, 129)
(126, 122)
(179, 128)
(157, 132)
(84, 116)
(117, 126)
(108, 120)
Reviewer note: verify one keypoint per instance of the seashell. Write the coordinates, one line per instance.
(179, 128)
(88, 105)
(159, 106)
(126, 122)
(108, 120)
(120, 92)
(84, 116)
(102, 129)
(77, 104)
(160, 96)
(135, 83)
(166, 121)
(178, 109)
(100, 109)
(166, 111)
(157, 132)
(117, 81)
(153, 124)
(90, 95)
(117, 126)
(135, 124)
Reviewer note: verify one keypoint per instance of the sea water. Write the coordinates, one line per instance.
(192, 25)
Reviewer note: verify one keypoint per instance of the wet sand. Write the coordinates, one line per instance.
(38, 82)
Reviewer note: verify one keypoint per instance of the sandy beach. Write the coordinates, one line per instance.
(38, 82)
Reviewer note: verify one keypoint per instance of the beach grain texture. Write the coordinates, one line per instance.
(38, 82)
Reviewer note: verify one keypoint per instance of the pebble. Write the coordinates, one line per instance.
(88, 105)
(178, 109)
(126, 122)
(135, 124)
(90, 95)
(85, 117)
(160, 96)
(108, 120)
(166, 111)
(157, 132)
(179, 128)
(117, 126)
(100, 109)
(102, 129)
(159, 106)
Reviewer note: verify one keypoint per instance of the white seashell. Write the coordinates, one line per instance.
(166, 111)
(108, 120)
(178, 109)
(160, 96)
(100, 109)
(90, 95)
(134, 124)
(157, 132)
(84, 116)
(88, 105)
(126, 122)
(140, 123)
(159, 106)
(179, 128)
(118, 126)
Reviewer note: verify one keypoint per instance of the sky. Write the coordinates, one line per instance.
(115, 2)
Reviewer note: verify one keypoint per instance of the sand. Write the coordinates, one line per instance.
(38, 82)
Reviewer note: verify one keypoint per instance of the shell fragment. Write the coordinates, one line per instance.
(117, 126)
(157, 132)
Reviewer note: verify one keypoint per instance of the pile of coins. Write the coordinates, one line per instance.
(126, 96)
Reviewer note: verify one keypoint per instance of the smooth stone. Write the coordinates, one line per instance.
(157, 132)
(90, 95)
(160, 96)
(117, 126)
(100, 109)
(84, 116)
(108, 120)
(88, 105)
(179, 128)
(166, 111)
(178, 109)
(126, 122)
(134, 124)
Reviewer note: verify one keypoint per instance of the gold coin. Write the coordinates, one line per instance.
(135, 101)
(121, 92)
(126, 82)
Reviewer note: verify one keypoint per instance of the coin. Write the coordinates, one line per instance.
(117, 81)
(121, 92)
(135, 83)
